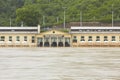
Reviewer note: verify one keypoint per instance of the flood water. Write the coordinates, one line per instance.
(59, 63)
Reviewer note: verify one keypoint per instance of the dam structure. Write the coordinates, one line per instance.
(76, 37)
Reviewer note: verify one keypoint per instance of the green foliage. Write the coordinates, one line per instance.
(51, 12)
(7, 11)
(29, 15)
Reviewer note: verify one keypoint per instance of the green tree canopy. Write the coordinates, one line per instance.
(51, 12)
(29, 15)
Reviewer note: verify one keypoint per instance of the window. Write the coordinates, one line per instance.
(82, 38)
(25, 38)
(33, 39)
(18, 38)
(80, 30)
(88, 30)
(97, 38)
(2, 38)
(90, 38)
(74, 39)
(113, 38)
(111, 30)
(105, 38)
(99, 30)
(10, 38)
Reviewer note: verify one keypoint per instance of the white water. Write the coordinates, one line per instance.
(59, 64)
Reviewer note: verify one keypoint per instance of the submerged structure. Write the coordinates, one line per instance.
(76, 37)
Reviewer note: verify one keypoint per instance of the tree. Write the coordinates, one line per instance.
(32, 11)
(29, 15)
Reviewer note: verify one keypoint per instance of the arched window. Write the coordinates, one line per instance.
(97, 38)
(113, 38)
(105, 38)
(90, 38)
(74, 39)
(82, 38)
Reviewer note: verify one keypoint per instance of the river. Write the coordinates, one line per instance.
(59, 63)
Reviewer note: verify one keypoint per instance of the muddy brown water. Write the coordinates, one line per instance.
(59, 63)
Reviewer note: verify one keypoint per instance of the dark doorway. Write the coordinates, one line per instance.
(54, 44)
(46, 44)
(67, 44)
(41, 44)
(60, 44)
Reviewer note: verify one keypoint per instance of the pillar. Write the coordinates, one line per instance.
(43, 41)
(50, 41)
(71, 41)
(57, 41)
(63, 41)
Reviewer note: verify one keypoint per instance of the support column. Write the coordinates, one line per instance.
(50, 41)
(63, 41)
(71, 41)
(57, 41)
(43, 41)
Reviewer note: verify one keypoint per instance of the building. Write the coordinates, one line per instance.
(76, 37)
(18, 36)
(96, 36)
